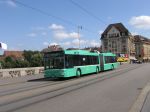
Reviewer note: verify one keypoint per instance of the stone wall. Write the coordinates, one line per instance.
(18, 72)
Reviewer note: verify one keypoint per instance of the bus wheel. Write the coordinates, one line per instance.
(112, 67)
(78, 73)
(97, 70)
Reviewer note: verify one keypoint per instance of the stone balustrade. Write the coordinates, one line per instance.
(18, 72)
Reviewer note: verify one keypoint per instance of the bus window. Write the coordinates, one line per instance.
(54, 62)
(110, 59)
(46, 63)
(68, 61)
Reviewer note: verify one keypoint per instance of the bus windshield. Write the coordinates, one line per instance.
(54, 61)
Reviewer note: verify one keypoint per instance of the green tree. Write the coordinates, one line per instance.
(37, 60)
(9, 59)
(28, 55)
(21, 63)
(31, 59)
(9, 62)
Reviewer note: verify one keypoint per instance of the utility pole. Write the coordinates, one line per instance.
(79, 28)
(0, 65)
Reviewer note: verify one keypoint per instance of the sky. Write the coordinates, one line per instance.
(36, 24)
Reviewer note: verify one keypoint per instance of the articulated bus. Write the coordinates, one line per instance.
(69, 63)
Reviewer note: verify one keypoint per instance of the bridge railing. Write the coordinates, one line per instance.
(18, 72)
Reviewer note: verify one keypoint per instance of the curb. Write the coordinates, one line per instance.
(139, 103)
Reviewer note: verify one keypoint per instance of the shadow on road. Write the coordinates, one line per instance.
(63, 79)
(48, 79)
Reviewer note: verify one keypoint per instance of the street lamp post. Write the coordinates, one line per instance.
(79, 28)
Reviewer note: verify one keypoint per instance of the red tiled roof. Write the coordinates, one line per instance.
(15, 54)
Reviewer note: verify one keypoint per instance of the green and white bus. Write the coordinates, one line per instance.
(108, 61)
(69, 63)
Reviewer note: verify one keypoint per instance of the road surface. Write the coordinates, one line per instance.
(112, 94)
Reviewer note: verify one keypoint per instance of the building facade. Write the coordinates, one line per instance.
(117, 39)
(142, 48)
(14, 54)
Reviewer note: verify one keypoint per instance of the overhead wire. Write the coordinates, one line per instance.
(50, 15)
(86, 11)
(43, 12)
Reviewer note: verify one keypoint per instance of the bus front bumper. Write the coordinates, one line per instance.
(54, 73)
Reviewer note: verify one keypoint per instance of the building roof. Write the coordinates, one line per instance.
(118, 26)
(1, 58)
(15, 54)
(52, 48)
(139, 38)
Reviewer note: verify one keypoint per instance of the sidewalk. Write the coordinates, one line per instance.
(142, 103)
(146, 106)
(8, 81)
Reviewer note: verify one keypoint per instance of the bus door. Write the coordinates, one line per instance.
(101, 62)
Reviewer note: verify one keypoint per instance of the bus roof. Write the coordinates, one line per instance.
(80, 52)
(108, 54)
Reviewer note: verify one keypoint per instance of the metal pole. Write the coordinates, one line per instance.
(78, 37)
(0, 65)
(79, 27)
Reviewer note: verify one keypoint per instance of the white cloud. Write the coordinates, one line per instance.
(64, 35)
(60, 33)
(38, 31)
(134, 33)
(36, 34)
(74, 35)
(32, 35)
(83, 43)
(49, 44)
(54, 43)
(76, 42)
(66, 44)
(56, 27)
(94, 43)
(140, 22)
(100, 32)
(11, 3)
(45, 43)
